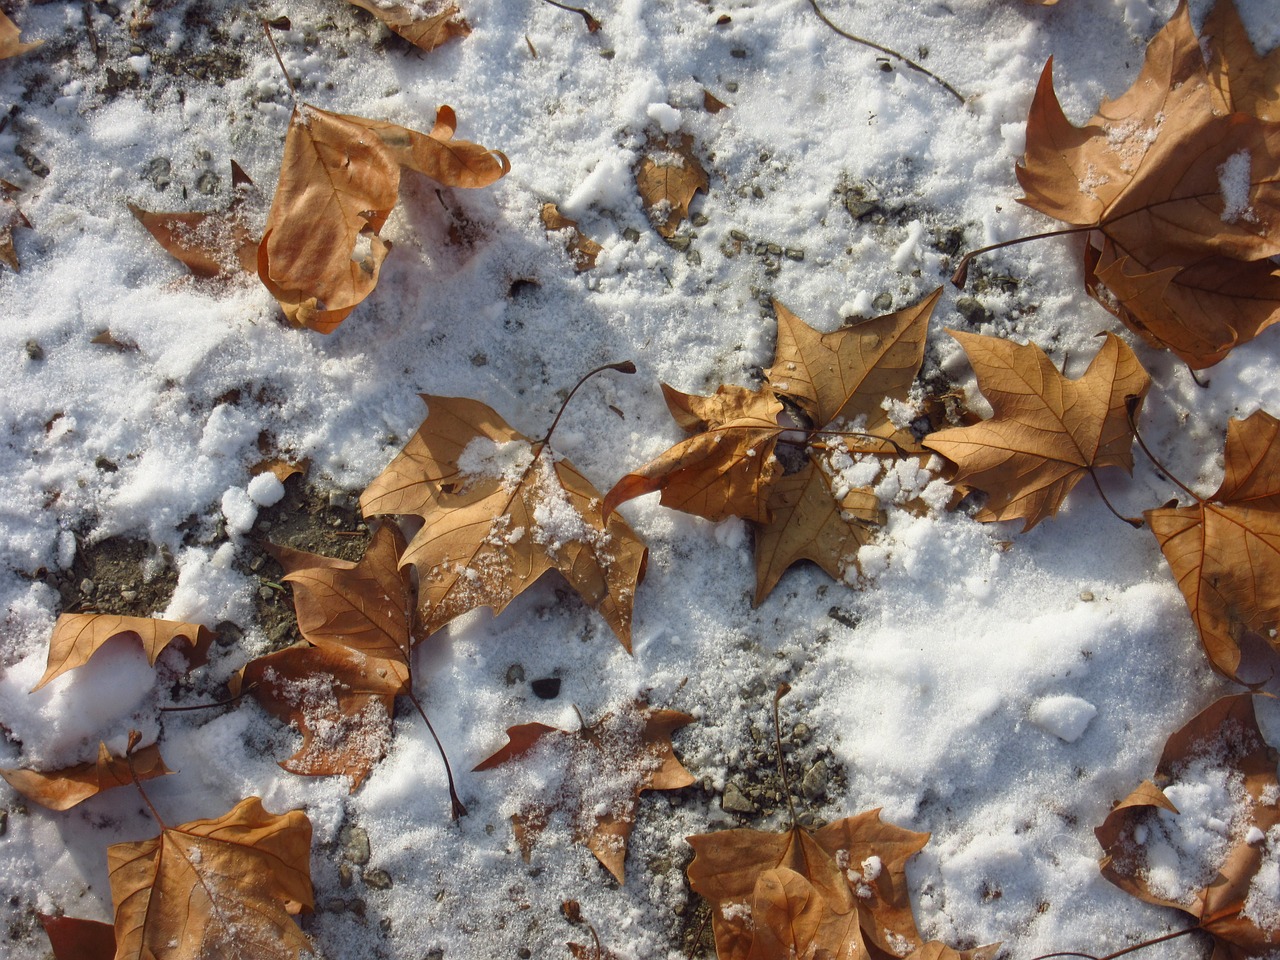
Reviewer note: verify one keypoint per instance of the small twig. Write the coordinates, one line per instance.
(134, 738)
(626, 366)
(266, 28)
(210, 706)
(782, 691)
(592, 23)
(93, 34)
(885, 50)
(1203, 385)
(1133, 427)
(1120, 953)
(961, 275)
(456, 809)
(1134, 522)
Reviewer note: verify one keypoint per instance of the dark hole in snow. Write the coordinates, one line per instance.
(546, 688)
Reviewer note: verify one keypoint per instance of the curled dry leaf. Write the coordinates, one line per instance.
(499, 511)
(63, 789)
(582, 249)
(75, 939)
(1242, 81)
(423, 30)
(667, 179)
(1224, 550)
(10, 219)
(213, 888)
(339, 180)
(10, 44)
(1047, 432)
(1219, 752)
(77, 637)
(606, 766)
(1186, 200)
(842, 889)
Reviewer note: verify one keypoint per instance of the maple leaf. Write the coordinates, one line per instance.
(339, 180)
(63, 789)
(10, 45)
(1186, 201)
(74, 939)
(667, 179)
(1047, 432)
(841, 889)
(209, 888)
(78, 636)
(1224, 550)
(607, 765)
(582, 249)
(1220, 751)
(10, 219)
(499, 511)
(424, 31)
(210, 245)
(1242, 81)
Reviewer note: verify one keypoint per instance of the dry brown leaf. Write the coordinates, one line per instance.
(499, 512)
(75, 939)
(63, 789)
(607, 765)
(1180, 195)
(1047, 432)
(1221, 742)
(1242, 81)
(667, 178)
(10, 219)
(280, 468)
(210, 245)
(10, 45)
(582, 249)
(426, 31)
(844, 888)
(227, 887)
(1225, 550)
(339, 180)
(711, 103)
(77, 637)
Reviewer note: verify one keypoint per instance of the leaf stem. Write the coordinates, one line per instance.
(1133, 427)
(456, 809)
(1134, 522)
(266, 28)
(782, 691)
(592, 23)
(1120, 953)
(885, 50)
(134, 738)
(210, 706)
(961, 275)
(624, 366)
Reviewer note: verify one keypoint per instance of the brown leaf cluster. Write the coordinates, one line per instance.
(426, 31)
(834, 383)
(1180, 177)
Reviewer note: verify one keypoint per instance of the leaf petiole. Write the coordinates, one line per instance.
(1133, 427)
(961, 275)
(624, 366)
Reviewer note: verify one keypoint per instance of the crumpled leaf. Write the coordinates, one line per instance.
(607, 765)
(582, 249)
(209, 888)
(667, 179)
(75, 939)
(78, 636)
(842, 889)
(210, 245)
(1237, 907)
(1186, 200)
(1224, 551)
(500, 511)
(339, 180)
(11, 217)
(1047, 432)
(426, 31)
(10, 45)
(63, 789)
(1242, 81)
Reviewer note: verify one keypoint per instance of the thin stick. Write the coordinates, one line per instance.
(625, 366)
(1120, 953)
(456, 808)
(885, 50)
(266, 28)
(592, 23)
(782, 691)
(961, 276)
(1131, 521)
(134, 738)
(210, 706)
(697, 937)
(1133, 427)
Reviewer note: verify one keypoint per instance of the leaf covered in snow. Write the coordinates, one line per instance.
(78, 636)
(667, 179)
(63, 789)
(424, 30)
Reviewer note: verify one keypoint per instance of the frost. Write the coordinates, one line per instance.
(1234, 184)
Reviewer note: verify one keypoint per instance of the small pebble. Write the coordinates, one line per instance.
(631, 234)
(356, 846)
(795, 253)
(680, 243)
(693, 258)
(345, 876)
(731, 86)
(377, 879)
(801, 733)
(738, 235)
(700, 220)
(738, 54)
(207, 183)
(973, 311)
(735, 801)
(814, 784)
(774, 249)
(515, 674)
(34, 351)
(256, 563)
(129, 596)
(882, 301)
(524, 953)
(757, 192)
(435, 953)
(87, 587)
(335, 905)
(265, 593)
(1086, 596)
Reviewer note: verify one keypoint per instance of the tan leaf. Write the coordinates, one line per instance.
(1224, 551)
(63, 789)
(10, 219)
(215, 888)
(1242, 80)
(280, 468)
(632, 745)
(790, 918)
(582, 249)
(667, 179)
(1047, 432)
(425, 31)
(77, 637)
(74, 939)
(10, 45)
(711, 103)
(339, 180)
(499, 511)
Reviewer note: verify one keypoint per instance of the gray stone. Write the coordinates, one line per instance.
(814, 784)
(87, 587)
(883, 301)
(377, 879)
(128, 596)
(356, 845)
(345, 876)
(1086, 596)
(515, 674)
(34, 351)
(801, 733)
(631, 234)
(973, 311)
(795, 253)
(735, 801)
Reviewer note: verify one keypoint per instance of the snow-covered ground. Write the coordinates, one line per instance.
(998, 689)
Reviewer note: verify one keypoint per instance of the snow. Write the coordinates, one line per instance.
(959, 679)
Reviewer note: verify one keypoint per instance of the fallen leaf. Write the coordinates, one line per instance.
(1242, 81)
(582, 249)
(77, 637)
(1047, 431)
(63, 789)
(210, 245)
(1224, 551)
(711, 103)
(281, 468)
(105, 338)
(339, 180)
(842, 889)
(1186, 201)
(213, 888)
(10, 45)
(667, 178)
(75, 939)
(10, 219)
(606, 766)
(1219, 752)
(499, 511)
(427, 31)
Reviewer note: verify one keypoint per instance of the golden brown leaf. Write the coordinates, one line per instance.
(582, 249)
(711, 103)
(1225, 550)
(1047, 432)
(10, 45)
(10, 219)
(499, 512)
(63, 789)
(339, 180)
(422, 30)
(77, 637)
(75, 939)
(1242, 80)
(1223, 740)
(280, 468)
(667, 179)
(631, 747)
(226, 887)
